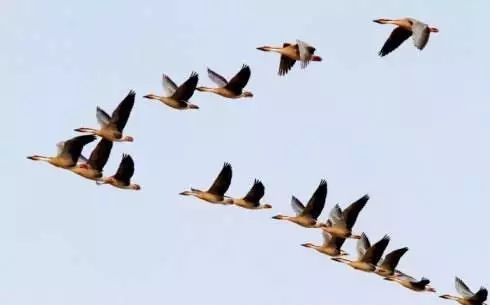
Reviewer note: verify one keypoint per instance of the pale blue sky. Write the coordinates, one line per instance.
(410, 129)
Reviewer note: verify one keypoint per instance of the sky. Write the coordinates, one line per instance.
(411, 130)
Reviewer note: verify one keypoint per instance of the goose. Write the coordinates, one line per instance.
(68, 152)
(389, 263)
(111, 127)
(307, 216)
(331, 245)
(251, 201)
(177, 97)
(232, 89)
(290, 53)
(92, 167)
(406, 27)
(216, 193)
(369, 256)
(122, 178)
(343, 221)
(468, 297)
(411, 283)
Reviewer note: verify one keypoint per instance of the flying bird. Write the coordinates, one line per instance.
(307, 216)
(232, 89)
(122, 178)
(406, 27)
(368, 256)
(343, 221)
(177, 97)
(216, 193)
(92, 167)
(467, 297)
(290, 53)
(68, 152)
(331, 245)
(411, 283)
(111, 127)
(251, 200)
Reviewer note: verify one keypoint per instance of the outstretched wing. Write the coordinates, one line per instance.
(99, 156)
(297, 206)
(103, 118)
(462, 288)
(240, 80)
(392, 259)
(72, 149)
(352, 211)
(256, 192)
(121, 114)
(397, 37)
(185, 91)
(217, 79)
(125, 170)
(222, 182)
(168, 85)
(317, 201)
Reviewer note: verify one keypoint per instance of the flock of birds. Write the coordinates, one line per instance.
(339, 225)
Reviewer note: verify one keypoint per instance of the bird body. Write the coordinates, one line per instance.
(368, 256)
(111, 127)
(68, 152)
(216, 193)
(232, 89)
(406, 27)
(467, 297)
(307, 216)
(290, 53)
(177, 96)
(122, 178)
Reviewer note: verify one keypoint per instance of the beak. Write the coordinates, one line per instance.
(147, 96)
(380, 21)
(276, 217)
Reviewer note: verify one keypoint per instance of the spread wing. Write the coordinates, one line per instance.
(217, 79)
(421, 34)
(185, 91)
(286, 63)
(462, 288)
(168, 85)
(72, 149)
(256, 192)
(125, 170)
(352, 211)
(392, 259)
(240, 80)
(480, 296)
(103, 118)
(317, 201)
(121, 114)
(362, 245)
(222, 182)
(99, 156)
(397, 37)
(297, 206)
(375, 252)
